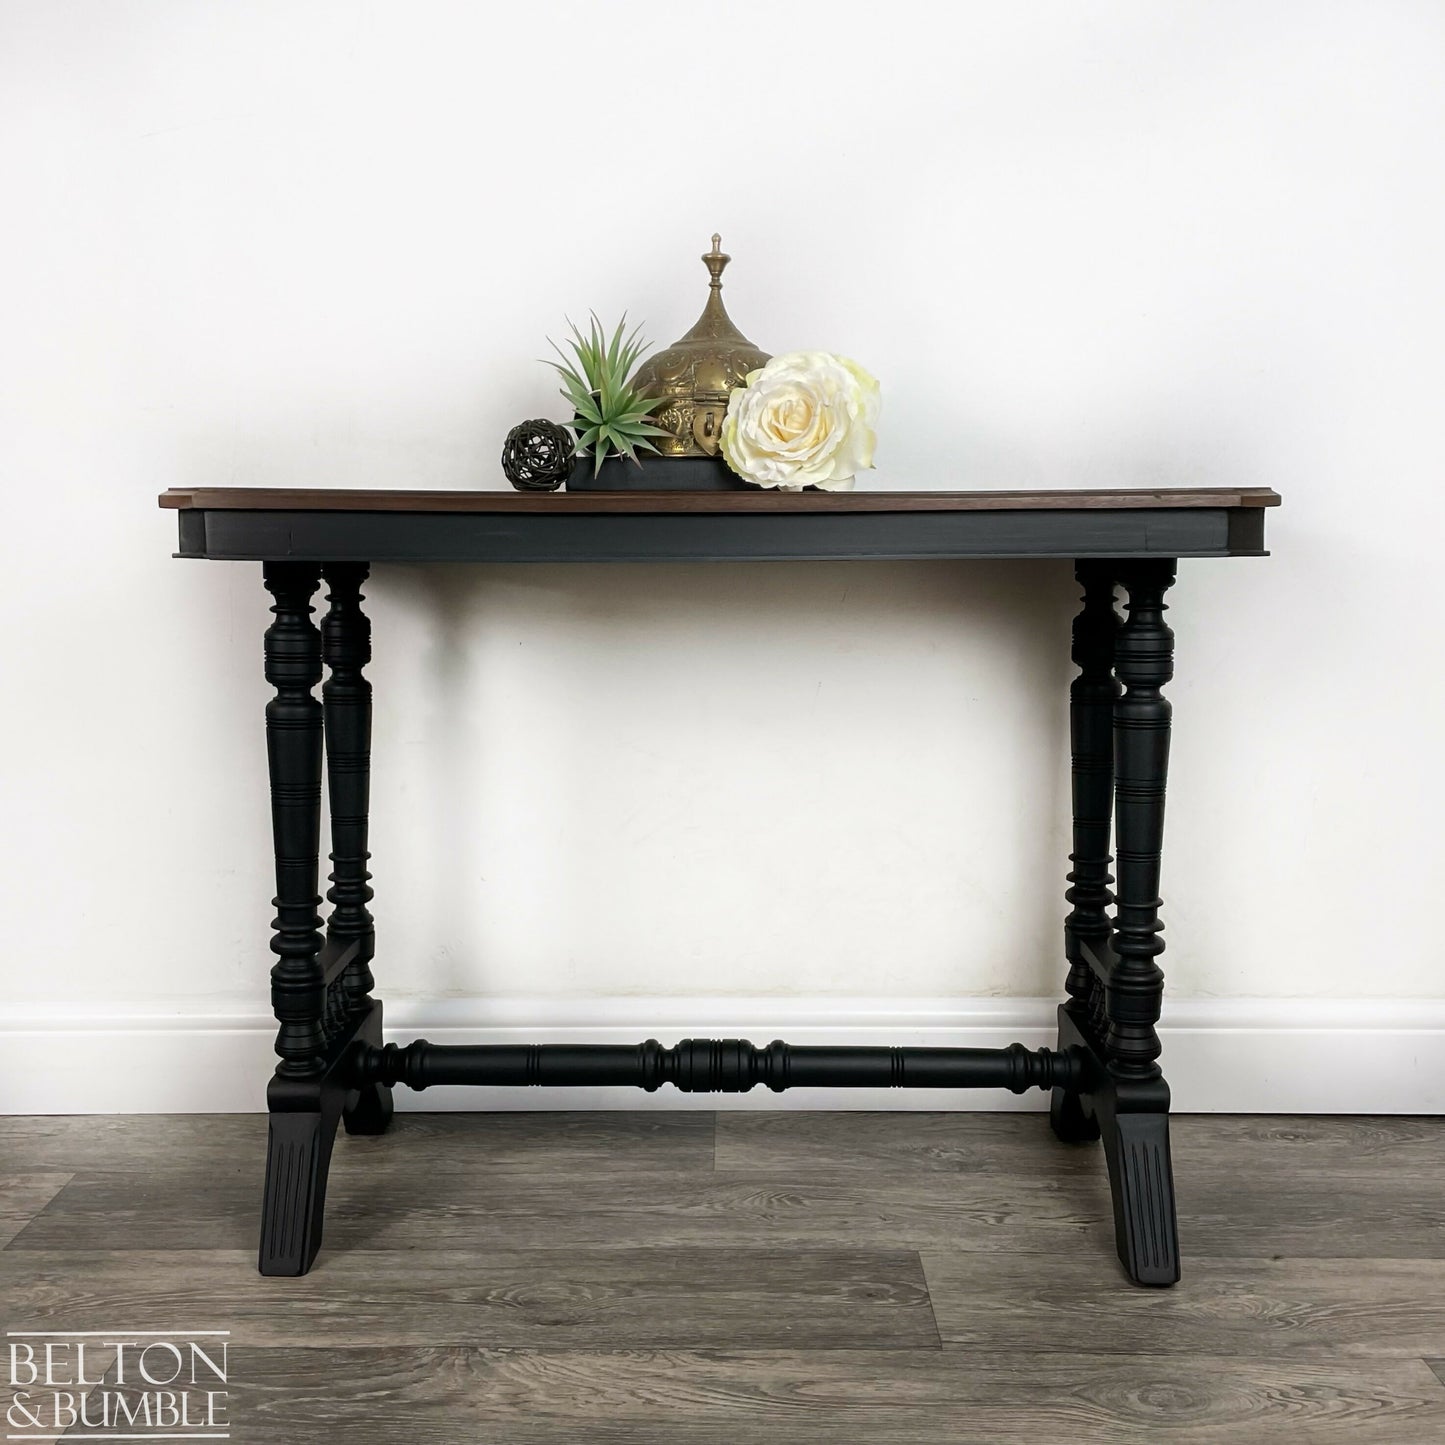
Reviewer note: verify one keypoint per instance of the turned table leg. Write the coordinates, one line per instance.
(346, 709)
(304, 1107)
(1119, 733)
(1091, 748)
(1133, 1110)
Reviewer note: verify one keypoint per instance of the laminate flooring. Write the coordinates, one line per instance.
(763, 1278)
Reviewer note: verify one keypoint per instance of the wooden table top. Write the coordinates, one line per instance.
(304, 499)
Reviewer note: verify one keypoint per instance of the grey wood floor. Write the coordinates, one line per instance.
(685, 1277)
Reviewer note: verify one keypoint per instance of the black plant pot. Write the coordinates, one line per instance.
(655, 474)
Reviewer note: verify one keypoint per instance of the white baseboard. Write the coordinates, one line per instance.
(1311, 1056)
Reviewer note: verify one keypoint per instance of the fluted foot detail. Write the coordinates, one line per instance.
(304, 1117)
(1141, 1179)
(298, 1156)
(1132, 1118)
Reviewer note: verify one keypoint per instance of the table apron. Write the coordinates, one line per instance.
(226, 535)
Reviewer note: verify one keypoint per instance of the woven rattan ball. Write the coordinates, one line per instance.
(537, 456)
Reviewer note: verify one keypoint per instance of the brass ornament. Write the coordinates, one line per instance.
(694, 375)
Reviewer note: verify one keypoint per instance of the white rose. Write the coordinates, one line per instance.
(805, 419)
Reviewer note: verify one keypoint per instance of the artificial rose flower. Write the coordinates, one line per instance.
(806, 419)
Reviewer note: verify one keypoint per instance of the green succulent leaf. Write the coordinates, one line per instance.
(614, 349)
(595, 370)
(599, 452)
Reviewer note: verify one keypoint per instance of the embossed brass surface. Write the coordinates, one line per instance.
(695, 374)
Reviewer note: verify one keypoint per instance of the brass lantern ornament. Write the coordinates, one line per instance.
(694, 376)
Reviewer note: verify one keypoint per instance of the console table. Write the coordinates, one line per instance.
(334, 1067)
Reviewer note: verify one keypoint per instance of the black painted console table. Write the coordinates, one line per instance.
(334, 1068)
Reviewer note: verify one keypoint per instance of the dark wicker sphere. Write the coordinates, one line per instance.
(538, 455)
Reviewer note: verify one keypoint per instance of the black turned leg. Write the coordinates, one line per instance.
(346, 707)
(304, 1105)
(1091, 738)
(293, 751)
(1133, 1110)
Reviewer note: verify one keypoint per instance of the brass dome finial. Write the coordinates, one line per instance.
(715, 260)
(693, 377)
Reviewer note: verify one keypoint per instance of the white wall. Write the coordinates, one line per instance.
(1082, 245)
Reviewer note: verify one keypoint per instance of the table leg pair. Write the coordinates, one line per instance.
(320, 984)
(335, 1070)
(1119, 741)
